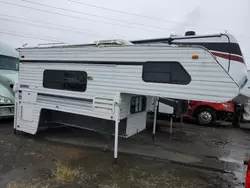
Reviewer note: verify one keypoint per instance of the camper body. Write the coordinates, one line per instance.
(109, 88)
(102, 87)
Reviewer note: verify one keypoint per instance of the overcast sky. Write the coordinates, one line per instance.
(81, 21)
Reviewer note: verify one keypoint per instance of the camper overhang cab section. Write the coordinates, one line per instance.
(109, 88)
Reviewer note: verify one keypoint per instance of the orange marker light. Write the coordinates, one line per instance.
(195, 57)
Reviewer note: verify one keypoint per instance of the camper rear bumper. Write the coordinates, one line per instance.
(7, 111)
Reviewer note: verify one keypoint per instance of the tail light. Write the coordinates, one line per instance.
(247, 183)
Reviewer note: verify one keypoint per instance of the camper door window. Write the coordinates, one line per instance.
(9, 63)
(138, 104)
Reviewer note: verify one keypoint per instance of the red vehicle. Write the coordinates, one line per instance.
(247, 182)
(206, 113)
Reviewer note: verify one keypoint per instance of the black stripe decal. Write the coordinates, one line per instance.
(84, 62)
(65, 97)
(226, 47)
(232, 48)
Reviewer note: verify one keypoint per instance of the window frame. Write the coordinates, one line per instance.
(183, 82)
(143, 104)
(13, 61)
(66, 84)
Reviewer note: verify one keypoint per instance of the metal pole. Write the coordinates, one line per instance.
(16, 91)
(15, 118)
(117, 120)
(171, 125)
(116, 142)
(181, 119)
(155, 116)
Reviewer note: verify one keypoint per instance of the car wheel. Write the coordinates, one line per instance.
(206, 116)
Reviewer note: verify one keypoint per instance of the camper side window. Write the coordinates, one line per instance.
(138, 104)
(170, 72)
(65, 80)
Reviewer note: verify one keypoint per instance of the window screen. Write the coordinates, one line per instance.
(65, 80)
(170, 72)
(138, 104)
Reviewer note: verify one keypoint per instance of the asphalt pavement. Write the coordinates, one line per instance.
(215, 153)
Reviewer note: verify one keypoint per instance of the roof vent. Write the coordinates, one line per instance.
(190, 33)
(51, 44)
(113, 42)
(174, 35)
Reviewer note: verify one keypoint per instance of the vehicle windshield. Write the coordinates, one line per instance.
(9, 63)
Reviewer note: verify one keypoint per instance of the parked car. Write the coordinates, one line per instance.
(206, 113)
(9, 64)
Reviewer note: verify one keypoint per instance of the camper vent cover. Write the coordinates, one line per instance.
(113, 42)
(103, 105)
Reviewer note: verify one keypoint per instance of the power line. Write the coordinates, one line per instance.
(27, 35)
(142, 16)
(61, 14)
(50, 25)
(146, 17)
(94, 15)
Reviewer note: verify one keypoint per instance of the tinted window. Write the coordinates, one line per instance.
(65, 80)
(165, 72)
(138, 104)
(9, 63)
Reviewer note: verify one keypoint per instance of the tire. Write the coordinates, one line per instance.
(205, 116)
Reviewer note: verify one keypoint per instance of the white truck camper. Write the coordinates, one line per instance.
(109, 86)
(223, 47)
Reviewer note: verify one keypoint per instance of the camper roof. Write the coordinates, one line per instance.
(169, 40)
(115, 42)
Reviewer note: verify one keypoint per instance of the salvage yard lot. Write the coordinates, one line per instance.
(71, 158)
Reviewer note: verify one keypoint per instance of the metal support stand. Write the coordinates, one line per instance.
(116, 142)
(15, 119)
(237, 115)
(155, 118)
(171, 126)
(16, 91)
(117, 120)
(181, 119)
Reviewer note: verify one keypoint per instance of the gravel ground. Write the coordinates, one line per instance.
(31, 162)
